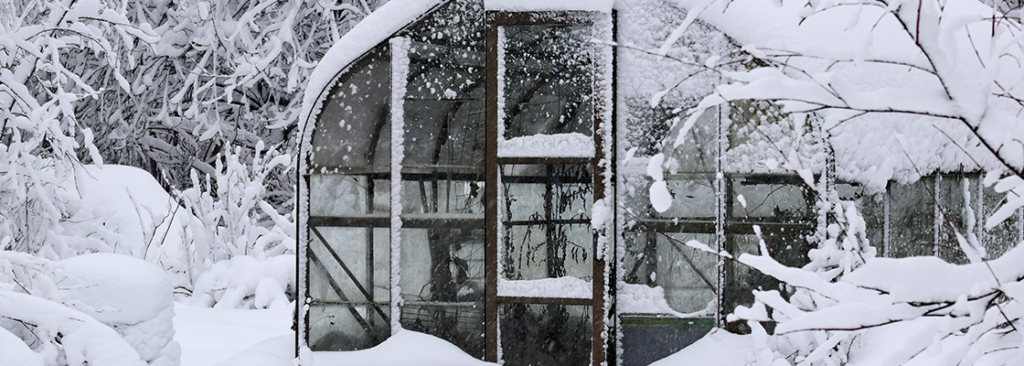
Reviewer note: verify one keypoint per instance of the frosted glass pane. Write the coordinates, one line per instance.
(342, 195)
(335, 327)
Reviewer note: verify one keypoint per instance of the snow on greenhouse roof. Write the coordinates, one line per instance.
(392, 17)
(539, 5)
(371, 31)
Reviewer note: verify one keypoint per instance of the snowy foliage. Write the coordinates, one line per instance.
(246, 282)
(234, 203)
(100, 309)
(44, 49)
(218, 75)
(246, 236)
(962, 59)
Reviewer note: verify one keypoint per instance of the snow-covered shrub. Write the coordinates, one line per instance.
(121, 209)
(132, 296)
(60, 335)
(239, 219)
(249, 240)
(47, 45)
(842, 248)
(247, 282)
(951, 65)
(96, 309)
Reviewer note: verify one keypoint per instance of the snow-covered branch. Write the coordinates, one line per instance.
(949, 65)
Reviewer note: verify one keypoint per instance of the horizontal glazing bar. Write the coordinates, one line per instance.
(544, 300)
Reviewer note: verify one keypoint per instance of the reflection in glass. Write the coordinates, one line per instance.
(342, 327)
(353, 130)
(442, 250)
(548, 79)
(912, 217)
(534, 334)
(546, 221)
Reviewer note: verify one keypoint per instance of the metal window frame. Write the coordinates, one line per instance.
(306, 224)
(602, 173)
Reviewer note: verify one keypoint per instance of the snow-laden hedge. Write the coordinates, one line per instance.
(95, 309)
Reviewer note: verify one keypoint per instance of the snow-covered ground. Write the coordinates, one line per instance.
(236, 337)
(211, 336)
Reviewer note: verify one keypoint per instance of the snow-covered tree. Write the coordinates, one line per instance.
(954, 66)
(48, 51)
(221, 75)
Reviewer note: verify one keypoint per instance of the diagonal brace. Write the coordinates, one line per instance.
(337, 289)
(351, 276)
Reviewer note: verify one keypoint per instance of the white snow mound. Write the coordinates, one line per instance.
(115, 288)
(132, 296)
(407, 348)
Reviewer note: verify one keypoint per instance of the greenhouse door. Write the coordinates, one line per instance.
(548, 114)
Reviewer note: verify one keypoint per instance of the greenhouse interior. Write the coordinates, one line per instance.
(483, 173)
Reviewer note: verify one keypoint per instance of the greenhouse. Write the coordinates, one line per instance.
(484, 172)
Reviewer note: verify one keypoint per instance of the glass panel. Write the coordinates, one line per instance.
(952, 203)
(461, 324)
(872, 209)
(353, 130)
(346, 327)
(777, 198)
(912, 218)
(442, 178)
(648, 338)
(444, 111)
(545, 334)
(349, 261)
(740, 280)
(447, 53)
(1005, 235)
(694, 196)
(548, 79)
(354, 246)
(546, 221)
(688, 275)
(783, 206)
(443, 283)
(655, 255)
(448, 133)
(346, 195)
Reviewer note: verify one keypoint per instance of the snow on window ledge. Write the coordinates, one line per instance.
(561, 287)
(564, 145)
(604, 6)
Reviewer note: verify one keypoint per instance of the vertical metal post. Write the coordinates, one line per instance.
(887, 205)
(301, 259)
(720, 209)
(937, 224)
(369, 245)
(491, 196)
(603, 186)
(979, 212)
(399, 79)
